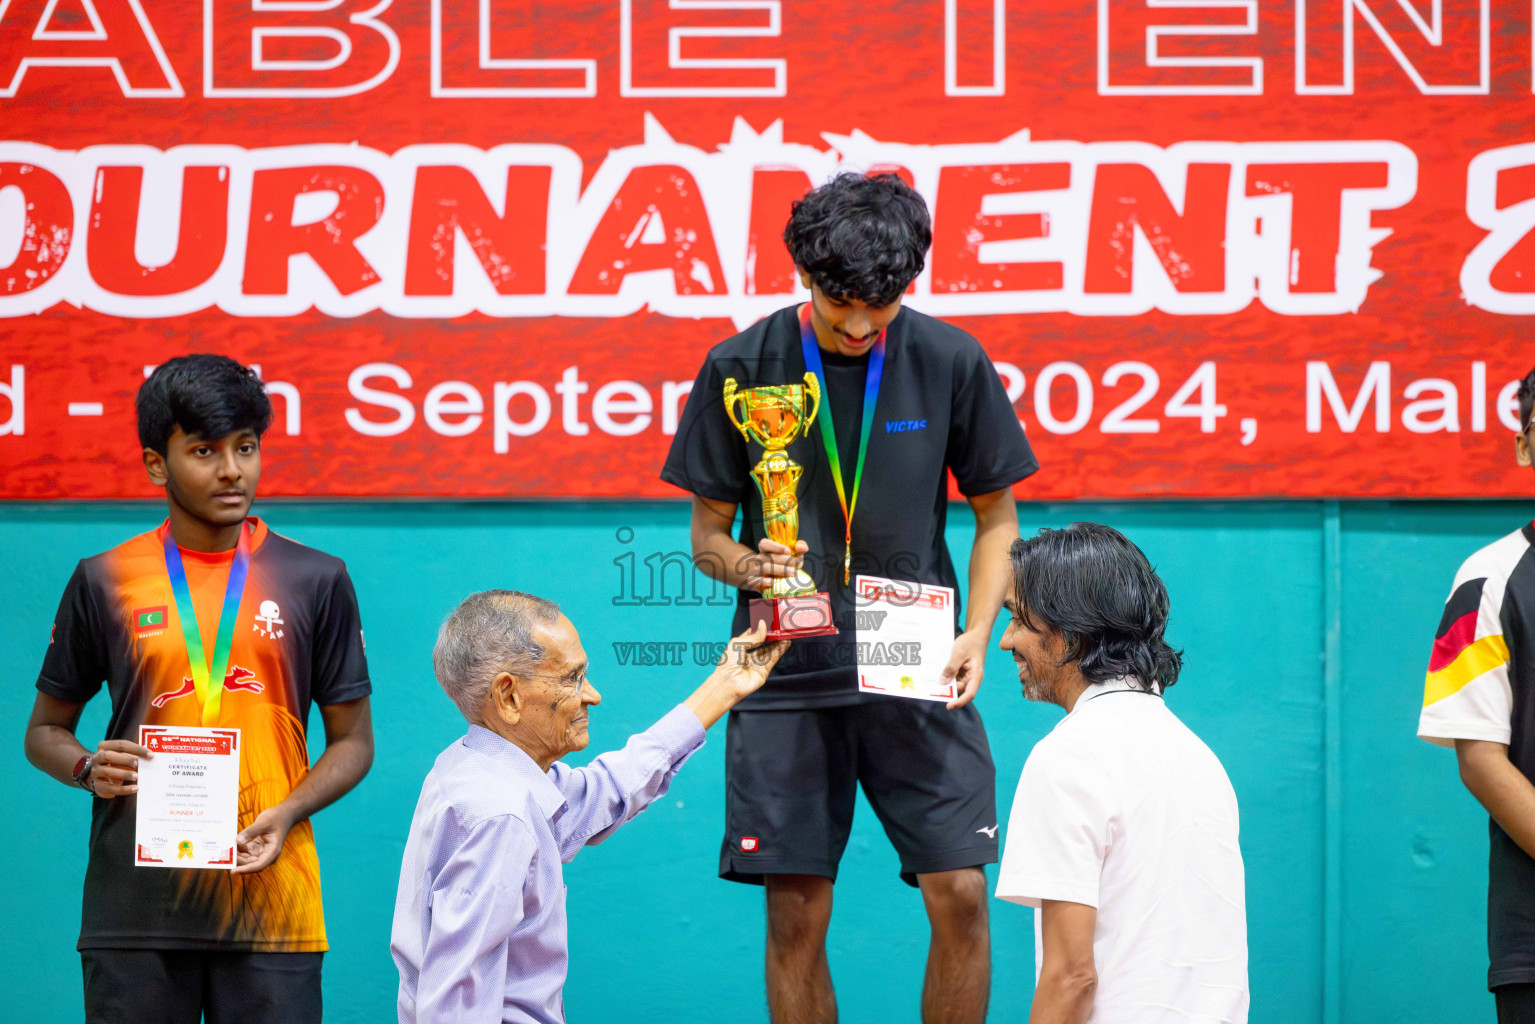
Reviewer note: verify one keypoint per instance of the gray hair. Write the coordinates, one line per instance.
(488, 633)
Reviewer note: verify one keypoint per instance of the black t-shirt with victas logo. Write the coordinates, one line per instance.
(1481, 686)
(941, 408)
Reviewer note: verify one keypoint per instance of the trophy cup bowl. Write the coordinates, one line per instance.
(774, 415)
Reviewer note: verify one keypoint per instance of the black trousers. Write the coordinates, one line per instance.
(173, 986)
(1516, 1004)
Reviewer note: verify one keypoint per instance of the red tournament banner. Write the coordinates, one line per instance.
(478, 248)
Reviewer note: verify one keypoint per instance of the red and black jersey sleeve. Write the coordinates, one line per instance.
(1457, 626)
(1468, 691)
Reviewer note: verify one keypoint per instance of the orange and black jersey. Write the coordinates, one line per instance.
(297, 641)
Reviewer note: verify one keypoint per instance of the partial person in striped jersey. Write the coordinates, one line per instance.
(1479, 697)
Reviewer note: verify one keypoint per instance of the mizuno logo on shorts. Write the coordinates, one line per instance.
(989, 833)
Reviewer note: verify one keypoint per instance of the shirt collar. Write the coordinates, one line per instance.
(258, 531)
(523, 768)
(1114, 685)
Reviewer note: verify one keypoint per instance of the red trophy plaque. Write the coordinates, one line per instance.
(775, 415)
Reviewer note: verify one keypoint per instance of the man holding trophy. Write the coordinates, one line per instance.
(878, 404)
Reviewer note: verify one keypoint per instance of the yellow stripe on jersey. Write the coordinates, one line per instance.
(1476, 659)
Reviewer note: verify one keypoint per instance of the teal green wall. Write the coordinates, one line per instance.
(1366, 859)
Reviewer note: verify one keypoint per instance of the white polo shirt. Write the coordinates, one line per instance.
(1124, 809)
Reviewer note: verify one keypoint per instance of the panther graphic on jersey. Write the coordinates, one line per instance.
(236, 678)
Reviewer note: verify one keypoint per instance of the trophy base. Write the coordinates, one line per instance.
(789, 618)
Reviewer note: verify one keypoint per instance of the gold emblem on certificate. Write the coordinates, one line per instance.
(774, 415)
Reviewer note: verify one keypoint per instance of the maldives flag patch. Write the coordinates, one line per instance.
(149, 620)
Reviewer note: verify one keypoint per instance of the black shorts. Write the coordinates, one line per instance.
(184, 986)
(791, 780)
(1516, 1003)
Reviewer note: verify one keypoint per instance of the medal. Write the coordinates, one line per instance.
(828, 431)
(208, 679)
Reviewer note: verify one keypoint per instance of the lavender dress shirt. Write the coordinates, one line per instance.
(479, 921)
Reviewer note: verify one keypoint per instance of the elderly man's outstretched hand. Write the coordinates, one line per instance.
(748, 659)
(742, 670)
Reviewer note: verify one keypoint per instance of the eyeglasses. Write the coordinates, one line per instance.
(577, 681)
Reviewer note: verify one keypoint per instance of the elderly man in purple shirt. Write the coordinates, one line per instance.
(479, 920)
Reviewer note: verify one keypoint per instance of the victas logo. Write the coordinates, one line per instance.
(904, 426)
(749, 844)
(236, 678)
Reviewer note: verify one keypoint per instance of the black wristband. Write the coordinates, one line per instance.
(82, 774)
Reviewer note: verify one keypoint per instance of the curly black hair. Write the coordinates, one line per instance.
(1526, 400)
(1097, 589)
(208, 395)
(862, 237)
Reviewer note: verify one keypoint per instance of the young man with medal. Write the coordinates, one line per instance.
(906, 400)
(210, 621)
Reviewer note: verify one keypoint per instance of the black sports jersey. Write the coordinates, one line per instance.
(845, 376)
(298, 640)
(941, 408)
(1481, 686)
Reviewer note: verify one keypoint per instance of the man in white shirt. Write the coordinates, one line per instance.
(1123, 833)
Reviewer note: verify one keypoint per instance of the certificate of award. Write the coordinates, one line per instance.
(188, 799)
(905, 636)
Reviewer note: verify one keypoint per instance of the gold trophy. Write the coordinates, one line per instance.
(774, 415)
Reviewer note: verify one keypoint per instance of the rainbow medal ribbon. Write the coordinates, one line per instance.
(208, 679)
(828, 429)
